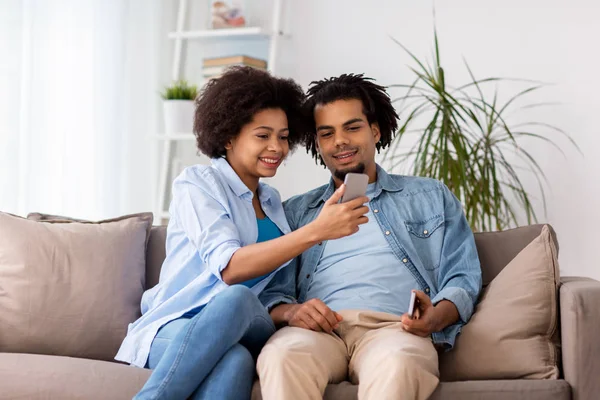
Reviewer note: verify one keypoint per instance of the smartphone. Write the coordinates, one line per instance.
(356, 186)
(412, 305)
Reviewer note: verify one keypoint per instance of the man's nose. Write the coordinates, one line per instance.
(341, 139)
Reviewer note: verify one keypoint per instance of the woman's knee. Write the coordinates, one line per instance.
(239, 357)
(238, 297)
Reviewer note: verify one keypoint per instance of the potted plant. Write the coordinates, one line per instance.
(466, 140)
(178, 106)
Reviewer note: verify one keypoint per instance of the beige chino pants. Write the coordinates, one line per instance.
(369, 348)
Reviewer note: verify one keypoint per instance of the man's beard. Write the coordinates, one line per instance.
(341, 173)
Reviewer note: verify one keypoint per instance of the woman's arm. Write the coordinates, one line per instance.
(259, 259)
(207, 224)
(334, 221)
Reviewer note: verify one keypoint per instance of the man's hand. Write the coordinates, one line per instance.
(313, 315)
(425, 320)
(430, 318)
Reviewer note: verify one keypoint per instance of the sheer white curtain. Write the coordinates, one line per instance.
(77, 96)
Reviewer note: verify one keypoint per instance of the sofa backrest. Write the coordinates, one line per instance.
(495, 249)
(155, 254)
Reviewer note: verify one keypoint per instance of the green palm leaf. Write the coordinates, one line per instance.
(468, 142)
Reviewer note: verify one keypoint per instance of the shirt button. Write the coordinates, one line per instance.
(320, 243)
(405, 260)
(426, 290)
(387, 232)
(375, 211)
(425, 232)
(307, 276)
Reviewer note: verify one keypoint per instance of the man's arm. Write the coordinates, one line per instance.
(281, 289)
(313, 314)
(459, 276)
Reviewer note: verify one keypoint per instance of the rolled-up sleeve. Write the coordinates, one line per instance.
(206, 222)
(460, 298)
(459, 275)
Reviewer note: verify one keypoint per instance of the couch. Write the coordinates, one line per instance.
(35, 376)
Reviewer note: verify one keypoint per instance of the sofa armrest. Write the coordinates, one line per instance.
(580, 335)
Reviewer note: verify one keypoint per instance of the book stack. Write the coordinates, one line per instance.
(214, 67)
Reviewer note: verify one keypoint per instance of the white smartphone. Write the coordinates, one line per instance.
(356, 186)
(412, 305)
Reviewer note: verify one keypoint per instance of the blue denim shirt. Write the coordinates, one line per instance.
(424, 224)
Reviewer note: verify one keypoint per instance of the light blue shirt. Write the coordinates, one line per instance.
(361, 272)
(424, 225)
(211, 217)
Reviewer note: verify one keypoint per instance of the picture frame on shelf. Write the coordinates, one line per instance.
(227, 15)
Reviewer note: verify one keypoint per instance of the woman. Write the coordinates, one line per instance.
(203, 323)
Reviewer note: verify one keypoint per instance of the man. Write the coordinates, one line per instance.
(351, 317)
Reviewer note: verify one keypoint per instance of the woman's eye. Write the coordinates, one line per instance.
(262, 136)
(326, 134)
(284, 137)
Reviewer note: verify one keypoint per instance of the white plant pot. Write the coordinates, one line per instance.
(179, 116)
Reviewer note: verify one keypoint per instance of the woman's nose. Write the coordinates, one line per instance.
(275, 146)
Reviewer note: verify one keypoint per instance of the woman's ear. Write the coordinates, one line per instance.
(229, 145)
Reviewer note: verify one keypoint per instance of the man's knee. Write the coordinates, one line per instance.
(274, 357)
(401, 363)
(288, 347)
(399, 375)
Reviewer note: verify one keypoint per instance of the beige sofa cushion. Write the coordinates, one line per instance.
(513, 332)
(70, 288)
(52, 218)
(42, 377)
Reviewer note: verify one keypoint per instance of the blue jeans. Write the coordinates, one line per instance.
(211, 355)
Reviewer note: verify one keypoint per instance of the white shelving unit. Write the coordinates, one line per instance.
(180, 36)
(220, 33)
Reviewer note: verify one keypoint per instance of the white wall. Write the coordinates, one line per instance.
(78, 106)
(551, 41)
(10, 38)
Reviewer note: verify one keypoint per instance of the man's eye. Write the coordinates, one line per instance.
(326, 134)
(354, 128)
(284, 137)
(262, 136)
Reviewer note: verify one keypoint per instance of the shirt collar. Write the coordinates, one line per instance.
(264, 193)
(384, 182)
(232, 179)
(235, 183)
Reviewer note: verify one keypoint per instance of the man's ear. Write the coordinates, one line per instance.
(317, 148)
(376, 131)
(229, 144)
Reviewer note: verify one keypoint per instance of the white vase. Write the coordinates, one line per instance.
(179, 116)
